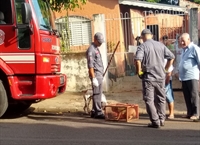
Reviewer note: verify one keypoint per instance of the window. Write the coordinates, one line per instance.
(24, 39)
(5, 12)
(44, 15)
(79, 30)
(18, 10)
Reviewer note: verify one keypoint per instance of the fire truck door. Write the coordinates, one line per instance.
(17, 50)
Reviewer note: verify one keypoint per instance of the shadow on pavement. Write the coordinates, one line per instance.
(83, 118)
(41, 133)
(13, 114)
(80, 116)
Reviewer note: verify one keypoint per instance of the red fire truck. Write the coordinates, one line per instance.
(29, 54)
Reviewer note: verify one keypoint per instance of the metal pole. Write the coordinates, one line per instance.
(111, 58)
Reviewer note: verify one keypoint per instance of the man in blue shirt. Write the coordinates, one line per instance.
(189, 75)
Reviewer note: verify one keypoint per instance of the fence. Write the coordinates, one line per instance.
(77, 34)
(127, 27)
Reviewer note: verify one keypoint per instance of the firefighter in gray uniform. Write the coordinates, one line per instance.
(96, 70)
(150, 68)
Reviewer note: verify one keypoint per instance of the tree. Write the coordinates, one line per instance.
(58, 5)
(195, 1)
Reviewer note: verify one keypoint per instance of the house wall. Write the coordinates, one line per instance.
(187, 3)
(74, 64)
(108, 7)
(94, 7)
(169, 25)
(137, 24)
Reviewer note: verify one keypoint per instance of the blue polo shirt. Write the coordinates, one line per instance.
(189, 64)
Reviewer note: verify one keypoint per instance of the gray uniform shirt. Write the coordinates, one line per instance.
(152, 54)
(94, 60)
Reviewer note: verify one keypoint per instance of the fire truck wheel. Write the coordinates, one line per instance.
(3, 99)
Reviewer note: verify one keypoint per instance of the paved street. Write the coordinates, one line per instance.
(76, 129)
(61, 121)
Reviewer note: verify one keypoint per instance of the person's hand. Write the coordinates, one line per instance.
(140, 74)
(166, 71)
(95, 82)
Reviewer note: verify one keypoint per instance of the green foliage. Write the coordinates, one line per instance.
(65, 35)
(19, 16)
(110, 46)
(58, 5)
(153, 1)
(195, 1)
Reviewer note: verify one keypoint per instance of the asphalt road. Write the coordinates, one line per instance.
(76, 129)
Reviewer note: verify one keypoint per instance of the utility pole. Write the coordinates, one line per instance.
(193, 25)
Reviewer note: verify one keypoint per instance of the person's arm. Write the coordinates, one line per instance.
(90, 62)
(197, 55)
(91, 72)
(170, 58)
(138, 58)
(138, 66)
(169, 63)
(168, 76)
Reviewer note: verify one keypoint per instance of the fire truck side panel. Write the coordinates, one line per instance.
(49, 43)
(16, 59)
(39, 87)
(15, 54)
(30, 56)
(5, 68)
(50, 63)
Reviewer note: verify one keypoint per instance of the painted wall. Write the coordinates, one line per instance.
(187, 3)
(113, 27)
(74, 65)
(107, 7)
(94, 7)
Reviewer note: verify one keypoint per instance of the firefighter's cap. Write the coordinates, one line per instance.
(99, 37)
(146, 31)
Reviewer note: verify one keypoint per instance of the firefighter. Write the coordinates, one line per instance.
(150, 68)
(96, 70)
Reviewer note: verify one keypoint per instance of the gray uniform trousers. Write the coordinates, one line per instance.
(97, 93)
(191, 95)
(155, 100)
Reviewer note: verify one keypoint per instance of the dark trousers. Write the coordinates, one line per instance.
(97, 93)
(191, 96)
(155, 100)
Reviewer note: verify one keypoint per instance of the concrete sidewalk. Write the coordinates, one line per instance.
(70, 102)
(124, 90)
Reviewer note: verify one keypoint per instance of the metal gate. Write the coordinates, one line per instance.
(127, 27)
